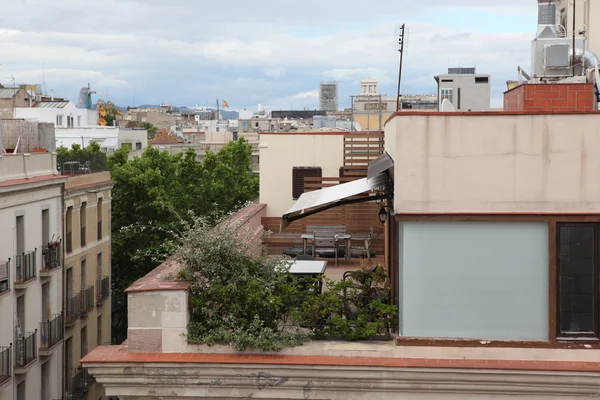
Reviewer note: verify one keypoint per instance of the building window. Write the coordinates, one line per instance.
(59, 120)
(99, 266)
(99, 219)
(446, 94)
(79, 120)
(84, 341)
(69, 228)
(138, 145)
(482, 79)
(82, 221)
(99, 337)
(578, 280)
(83, 283)
(298, 175)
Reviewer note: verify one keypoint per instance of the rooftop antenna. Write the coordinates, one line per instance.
(401, 50)
(43, 79)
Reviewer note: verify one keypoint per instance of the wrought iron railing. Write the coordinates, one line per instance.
(99, 230)
(73, 309)
(103, 290)
(5, 363)
(51, 332)
(83, 238)
(69, 238)
(25, 350)
(87, 300)
(25, 269)
(51, 256)
(4, 276)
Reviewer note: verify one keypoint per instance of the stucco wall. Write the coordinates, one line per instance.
(280, 153)
(496, 162)
(36, 310)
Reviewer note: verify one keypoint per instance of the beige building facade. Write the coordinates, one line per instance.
(31, 341)
(280, 153)
(87, 271)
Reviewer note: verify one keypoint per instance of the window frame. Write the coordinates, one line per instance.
(301, 173)
(573, 336)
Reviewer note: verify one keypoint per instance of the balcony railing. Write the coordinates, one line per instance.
(83, 232)
(25, 350)
(82, 164)
(69, 238)
(87, 300)
(99, 230)
(25, 267)
(4, 276)
(5, 363)
(78, 384)
(51, 256)
(51, 332)
(103, 290)
(73, 309)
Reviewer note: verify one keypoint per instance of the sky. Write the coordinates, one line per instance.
(270, 52)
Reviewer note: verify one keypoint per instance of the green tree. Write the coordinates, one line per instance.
(152, 130)
(157, 192)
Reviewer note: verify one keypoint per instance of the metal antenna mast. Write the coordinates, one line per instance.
(401, 50)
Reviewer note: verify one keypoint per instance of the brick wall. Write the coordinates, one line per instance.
(550, 97)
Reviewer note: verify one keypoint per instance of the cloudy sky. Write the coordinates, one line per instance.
(273, 52)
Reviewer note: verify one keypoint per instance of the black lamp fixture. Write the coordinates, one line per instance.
(383, 214)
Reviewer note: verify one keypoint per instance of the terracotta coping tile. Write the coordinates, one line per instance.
(161, 278)
(20, 181)
(119, 354)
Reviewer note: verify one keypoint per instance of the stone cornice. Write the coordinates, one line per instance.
(268, 381)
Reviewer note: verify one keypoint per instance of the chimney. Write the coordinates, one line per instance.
(51, 94)
(547, 12)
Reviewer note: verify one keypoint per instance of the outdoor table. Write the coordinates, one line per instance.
(307, 268)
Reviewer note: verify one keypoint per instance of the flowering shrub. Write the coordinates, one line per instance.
(248, 302)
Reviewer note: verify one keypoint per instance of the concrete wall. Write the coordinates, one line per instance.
(281, 152)
(23, 200)
(19, 166)
(7, 106)
(32, 134)
(495, 162)
(473, 96)
(495, 287)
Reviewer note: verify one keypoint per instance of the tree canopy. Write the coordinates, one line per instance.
(157, 192)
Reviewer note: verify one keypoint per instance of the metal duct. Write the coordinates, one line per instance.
(587, 58)
(547, 12)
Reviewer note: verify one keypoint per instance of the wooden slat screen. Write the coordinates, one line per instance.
(298, 175)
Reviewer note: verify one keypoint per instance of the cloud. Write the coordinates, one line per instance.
(259, 53)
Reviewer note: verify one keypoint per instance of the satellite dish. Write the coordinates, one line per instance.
(447, 106)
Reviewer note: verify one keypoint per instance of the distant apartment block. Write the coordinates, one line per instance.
(328, 96)
(465, 89)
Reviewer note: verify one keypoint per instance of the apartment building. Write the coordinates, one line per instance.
(465, 89)
(87, 270)
(31, 304)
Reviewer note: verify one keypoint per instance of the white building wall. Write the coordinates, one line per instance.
(81, 116)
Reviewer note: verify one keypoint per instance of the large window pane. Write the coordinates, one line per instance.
(577, 280)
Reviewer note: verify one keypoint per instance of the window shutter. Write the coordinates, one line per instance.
(298, 175)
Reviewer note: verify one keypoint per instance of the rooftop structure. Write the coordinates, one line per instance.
(465, 89)
(328, 96)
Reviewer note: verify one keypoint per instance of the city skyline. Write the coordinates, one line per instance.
(144, 54)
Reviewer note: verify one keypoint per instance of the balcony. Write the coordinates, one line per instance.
(25, 352)
(4, 276)
(51, 334)
(87, 300)
(77, 385)
(25, 269)
(81, 164)
(83, 234)
(99, 230)
(103, 290)
(51, 258)
(73, 309)
(5, 364)
(69, 242)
